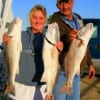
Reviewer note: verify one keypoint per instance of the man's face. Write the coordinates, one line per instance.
(65, 7)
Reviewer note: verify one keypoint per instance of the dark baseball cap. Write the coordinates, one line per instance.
(60, 1)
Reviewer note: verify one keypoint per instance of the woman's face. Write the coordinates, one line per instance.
(38, 21)
(66, 7)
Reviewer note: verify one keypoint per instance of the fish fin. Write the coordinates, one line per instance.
(81, 43)
(19, 47)
(53, 52)
(44, 78)
(17, 71)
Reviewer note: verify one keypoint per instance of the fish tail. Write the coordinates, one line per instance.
(68, 84)
(66, 88)
(49, 97)
(10, 89)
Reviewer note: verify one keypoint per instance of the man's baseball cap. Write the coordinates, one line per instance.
(60, 1)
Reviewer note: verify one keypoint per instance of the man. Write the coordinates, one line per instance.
(69, 24)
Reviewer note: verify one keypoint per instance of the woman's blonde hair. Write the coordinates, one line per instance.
(37, 8)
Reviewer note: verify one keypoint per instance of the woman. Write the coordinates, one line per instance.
(28, 85)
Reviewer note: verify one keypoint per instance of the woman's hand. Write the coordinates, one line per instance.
(73, 34)
(59, 46)
(6, 38)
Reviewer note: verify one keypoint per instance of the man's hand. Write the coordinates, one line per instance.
(6, 38)
(91, 71)
(73, 34)
(59, 46)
